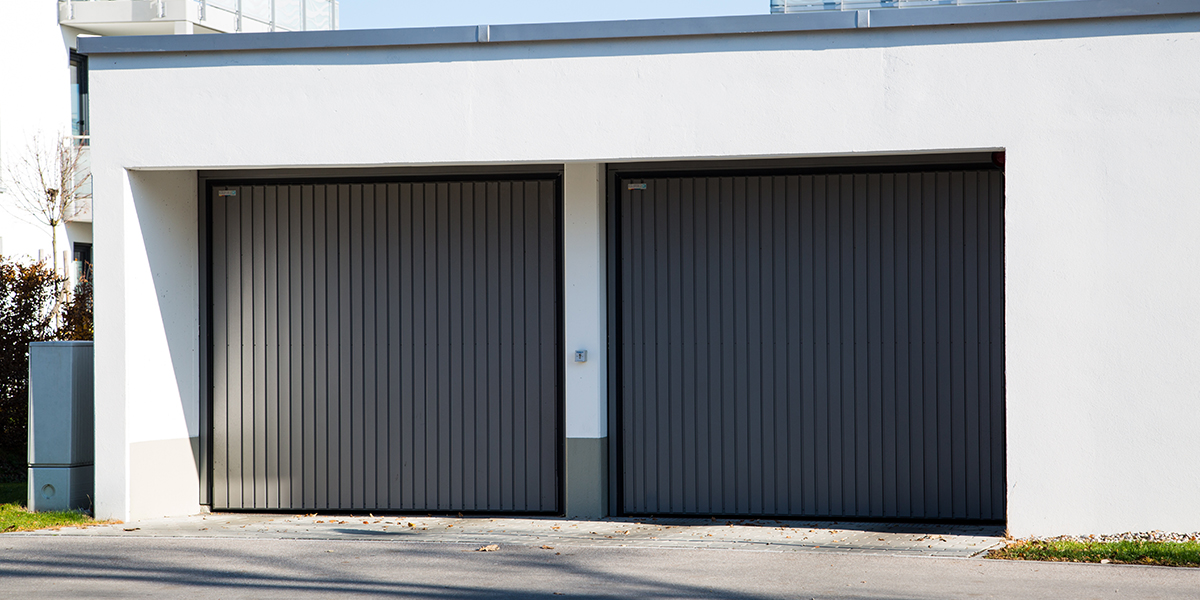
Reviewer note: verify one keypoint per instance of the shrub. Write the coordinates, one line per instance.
(77, 315)
(27, 298)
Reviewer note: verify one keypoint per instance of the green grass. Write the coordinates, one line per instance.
(1169, 554)
(14, 517)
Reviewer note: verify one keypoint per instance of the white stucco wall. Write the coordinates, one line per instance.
(147, 328)
(584, 316)
(1100, 120)
(35, 84)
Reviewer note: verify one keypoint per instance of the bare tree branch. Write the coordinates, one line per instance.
(48, 182)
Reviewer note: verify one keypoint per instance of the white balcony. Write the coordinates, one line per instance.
(166, 17)
(82, 211)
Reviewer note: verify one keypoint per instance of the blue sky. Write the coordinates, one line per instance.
(382, 14)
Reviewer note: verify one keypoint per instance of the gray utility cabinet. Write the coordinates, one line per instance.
(386, 346)
(812, 344)
(61, 417)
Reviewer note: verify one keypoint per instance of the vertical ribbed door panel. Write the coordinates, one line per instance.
(386, 346)
(812, 345)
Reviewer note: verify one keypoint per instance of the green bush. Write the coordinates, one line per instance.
(27, 298)
(77, 315)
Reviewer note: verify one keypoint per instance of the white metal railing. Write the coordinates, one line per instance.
(281, 15)
(795, 6)
(82, 176)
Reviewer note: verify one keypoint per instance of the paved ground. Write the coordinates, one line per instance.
(782, 536)
(80, 567)
(235, 556)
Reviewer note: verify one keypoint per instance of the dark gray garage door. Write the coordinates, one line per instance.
(812, 345)
(389, 346)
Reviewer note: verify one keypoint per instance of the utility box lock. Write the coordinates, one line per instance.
(581, 356)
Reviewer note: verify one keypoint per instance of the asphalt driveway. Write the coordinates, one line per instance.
(651, 533)
(303, 556)
(104, 567)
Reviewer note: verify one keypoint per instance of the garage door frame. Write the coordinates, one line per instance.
(617, 174)
(209, 180)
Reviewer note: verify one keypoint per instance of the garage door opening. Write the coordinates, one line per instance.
(386, 346)
(806, 343)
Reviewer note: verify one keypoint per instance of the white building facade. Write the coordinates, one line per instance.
(38, 81)
(1049, 145)
(166, 17)
(46, 91)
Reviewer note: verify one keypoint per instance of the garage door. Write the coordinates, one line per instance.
(386, 346)
(812, 345)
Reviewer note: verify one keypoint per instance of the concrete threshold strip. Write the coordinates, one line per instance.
(549, 533)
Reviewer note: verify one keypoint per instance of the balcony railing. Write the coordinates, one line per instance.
(796, 6)
(218, 15)
(278, 15)
(83, 205)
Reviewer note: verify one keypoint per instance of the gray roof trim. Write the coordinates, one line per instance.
(1015, 12)
(1030, 11)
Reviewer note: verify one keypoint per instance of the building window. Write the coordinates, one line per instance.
(83, 262)
(80, 127)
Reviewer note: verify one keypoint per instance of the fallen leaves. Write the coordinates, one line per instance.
(489, 548)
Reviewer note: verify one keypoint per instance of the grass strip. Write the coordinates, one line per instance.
(1167, 554)
(14, 517)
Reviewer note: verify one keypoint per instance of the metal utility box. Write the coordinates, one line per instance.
(61, 406)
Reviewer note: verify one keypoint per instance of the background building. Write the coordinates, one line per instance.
(158, 17)
(46, 85)
(795, 6)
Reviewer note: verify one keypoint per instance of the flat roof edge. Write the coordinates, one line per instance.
(1014, 12)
